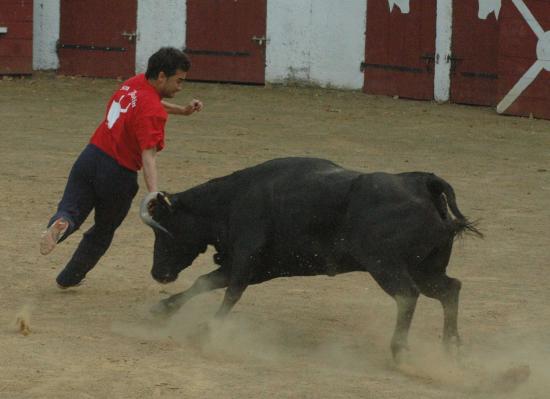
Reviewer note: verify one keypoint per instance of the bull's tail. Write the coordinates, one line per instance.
(443, 195)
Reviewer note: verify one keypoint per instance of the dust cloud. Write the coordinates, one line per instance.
(502, 368)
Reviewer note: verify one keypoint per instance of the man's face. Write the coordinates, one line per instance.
(168, 87)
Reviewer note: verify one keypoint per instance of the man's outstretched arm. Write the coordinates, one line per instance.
(194, 106)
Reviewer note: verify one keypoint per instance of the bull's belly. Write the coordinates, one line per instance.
(300, 265)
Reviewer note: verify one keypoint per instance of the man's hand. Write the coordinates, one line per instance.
(194, 106)
(151, 206)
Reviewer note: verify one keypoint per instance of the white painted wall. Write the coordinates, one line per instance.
(160, 23)
(45, 34)
(318, 42)
(444, 25)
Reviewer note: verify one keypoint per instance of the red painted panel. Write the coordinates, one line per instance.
(97, 27)
(16, 10)
(523, 79)
(517, 39)
(400, 48)
(220, 40)
(13, 65)
(474, 68)
(19, 30)
(16, 44)
(16, 48)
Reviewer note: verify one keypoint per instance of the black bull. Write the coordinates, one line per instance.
(304, 217)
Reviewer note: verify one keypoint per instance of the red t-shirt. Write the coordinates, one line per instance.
(134, 122)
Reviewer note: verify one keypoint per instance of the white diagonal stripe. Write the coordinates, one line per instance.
(520, 86)
(528, 16)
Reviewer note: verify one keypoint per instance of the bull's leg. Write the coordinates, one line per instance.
(398, 284)
(449, 301)
(246, 249)
(432, 281)
(406, 306)
(232, 296)
(446, 290)
(240, 278)
(207, 282)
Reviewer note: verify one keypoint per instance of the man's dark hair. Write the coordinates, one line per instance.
(167, 60)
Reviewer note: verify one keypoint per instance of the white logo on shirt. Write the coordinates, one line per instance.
(116, 109)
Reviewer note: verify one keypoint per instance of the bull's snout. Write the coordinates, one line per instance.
(164, 278)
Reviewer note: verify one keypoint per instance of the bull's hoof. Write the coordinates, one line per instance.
(203, 328)
(163, 308)
(400, 353)
(201, 334)
(452, 346)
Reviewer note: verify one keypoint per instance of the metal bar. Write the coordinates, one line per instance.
(482, 75)
(90, 47)
(398, 68)
(218, 53)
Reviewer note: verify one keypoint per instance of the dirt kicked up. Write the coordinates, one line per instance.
(314, 337)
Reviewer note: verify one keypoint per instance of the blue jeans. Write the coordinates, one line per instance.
(96, 181)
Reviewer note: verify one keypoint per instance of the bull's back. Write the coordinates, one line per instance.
(310, 200)
(273, 180)
(293, 191)
(303, 202)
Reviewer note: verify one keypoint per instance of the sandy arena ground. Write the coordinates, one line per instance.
(316, 337)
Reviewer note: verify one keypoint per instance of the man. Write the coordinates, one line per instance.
(104, 177)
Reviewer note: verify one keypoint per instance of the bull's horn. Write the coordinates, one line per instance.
(144, 212)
